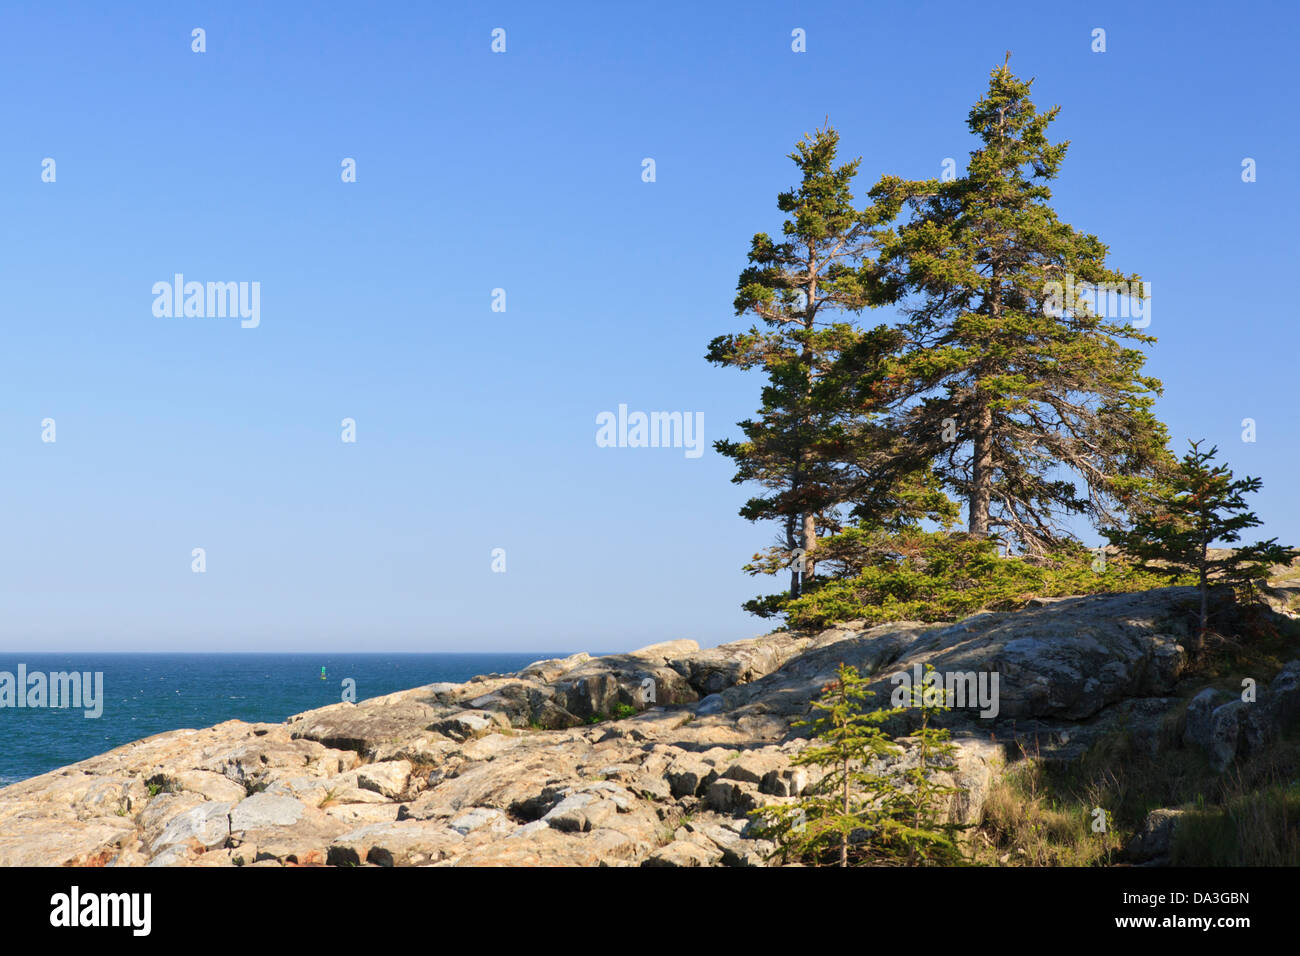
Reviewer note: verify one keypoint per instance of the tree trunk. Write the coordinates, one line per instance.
(1205, 599)
(844, 836)
(982, 472)
(809, 542)
(923, 763)
(981, 492)
(793, 543)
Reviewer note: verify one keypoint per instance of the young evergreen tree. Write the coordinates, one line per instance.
(1011, 381)
(921, 829)
(848, 800)
(855, 814)
(1199, 503)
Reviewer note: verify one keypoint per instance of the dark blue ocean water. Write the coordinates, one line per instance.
(146, 694)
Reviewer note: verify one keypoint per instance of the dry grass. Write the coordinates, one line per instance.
(1253, 828)
(1040, 813)
(1026, 824)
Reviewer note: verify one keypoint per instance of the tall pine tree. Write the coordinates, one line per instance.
(1025, 399)
(810, 457)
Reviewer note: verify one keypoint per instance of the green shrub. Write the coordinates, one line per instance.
(935, 576)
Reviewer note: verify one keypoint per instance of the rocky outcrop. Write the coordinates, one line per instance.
(1282, 589)
(1229, 726)
(650, 758)
(1153, 843)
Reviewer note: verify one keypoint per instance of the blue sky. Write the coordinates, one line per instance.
(522, 171)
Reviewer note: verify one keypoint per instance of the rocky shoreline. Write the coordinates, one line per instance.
(649, 758)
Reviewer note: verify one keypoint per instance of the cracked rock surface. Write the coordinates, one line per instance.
(531, 769)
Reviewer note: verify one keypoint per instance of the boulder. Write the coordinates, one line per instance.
(1284, 697)
(580, 812)
(207, 825)
(753, 766)
(480, 817)
(389, 778)
(1196, 730)
(265, 810)
(1228, 728)
(66, 842)
(1153, 843)
(401, 843)
(468, 724)
(685, 853)
(688, 775)
(1068, 657)
(357, 815)
(732, 796)
(209, 785)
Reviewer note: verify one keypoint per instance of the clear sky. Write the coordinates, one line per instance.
(522, 171)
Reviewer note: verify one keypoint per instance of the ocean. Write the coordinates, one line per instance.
(145, 694)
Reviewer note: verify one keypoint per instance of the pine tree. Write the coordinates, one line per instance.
(1198, 504)
(794, 286)
(919, 825)
(1010, 381)
(810, 457)
(854, 813)
(848, 802)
